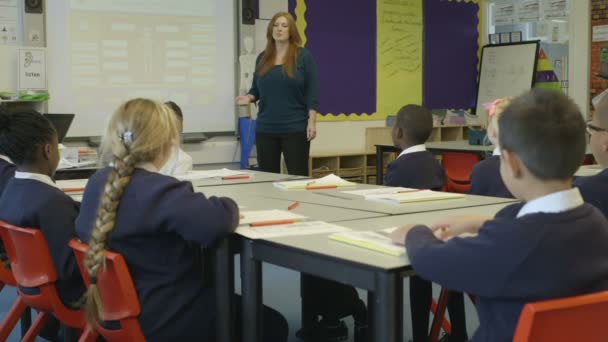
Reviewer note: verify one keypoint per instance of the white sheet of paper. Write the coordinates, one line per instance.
(194, 175)
(328, 180)
(294, 229)
(72, 184)
(255, 216)
(268, 8)
(414, 196)
(379, 191)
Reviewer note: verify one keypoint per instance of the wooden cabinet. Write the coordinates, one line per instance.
(361, 167)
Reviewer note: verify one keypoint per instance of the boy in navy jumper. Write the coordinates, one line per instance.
(7, 168)
(158, 224)
(550, 246)
(417, 168)
(595, 188)
(485, 177)
(32, 200)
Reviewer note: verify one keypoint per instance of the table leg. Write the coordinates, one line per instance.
(223, 262)
(251, 288)
(386, 308)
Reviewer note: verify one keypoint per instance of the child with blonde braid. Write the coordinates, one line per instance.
(158, 224)
(485, 177)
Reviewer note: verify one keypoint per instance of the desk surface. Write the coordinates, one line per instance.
(464, 146)
(338, 199)
(458, 145)
(321, 244)
(258, 177)
(248, 201)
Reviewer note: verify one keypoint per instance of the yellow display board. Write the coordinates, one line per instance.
(399, 55)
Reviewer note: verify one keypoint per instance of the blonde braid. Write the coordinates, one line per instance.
(104, 223)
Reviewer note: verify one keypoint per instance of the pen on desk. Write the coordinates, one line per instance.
(73, 189)
(316, 187)
(332, 195)
(293, 205)
(235, 177)
(272, 223)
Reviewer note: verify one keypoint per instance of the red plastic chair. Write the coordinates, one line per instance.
(439, 321)
(458, 167)
(17, 309)
(118, 295)
(578, 318)
(33, 268)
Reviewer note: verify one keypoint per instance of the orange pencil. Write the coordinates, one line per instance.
(235, 177)
(271, 223)
(293, 205)
(313, 187)
(73, 189)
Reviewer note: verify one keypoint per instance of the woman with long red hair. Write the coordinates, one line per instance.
(286, 87)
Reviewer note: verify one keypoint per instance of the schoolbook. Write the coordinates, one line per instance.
(327, 182)
(378, 240)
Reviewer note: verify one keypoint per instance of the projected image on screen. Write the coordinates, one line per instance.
(120, 49)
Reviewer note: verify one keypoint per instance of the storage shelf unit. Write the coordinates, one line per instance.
(361, 167)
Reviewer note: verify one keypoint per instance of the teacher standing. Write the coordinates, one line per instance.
(286, 87)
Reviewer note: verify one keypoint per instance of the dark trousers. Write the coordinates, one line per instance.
(294, 146)
(421, 295)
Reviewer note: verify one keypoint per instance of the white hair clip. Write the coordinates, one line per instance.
(126, 137)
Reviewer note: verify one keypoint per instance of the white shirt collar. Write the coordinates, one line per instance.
(496, 151)
(412, 149)
(37, 177)
(6, 158)
(147, 166)
(556, 202)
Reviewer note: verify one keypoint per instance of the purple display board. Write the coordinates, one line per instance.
(341, 35)
(450, 54)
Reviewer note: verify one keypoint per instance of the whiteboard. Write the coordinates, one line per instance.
(505, 70)
(103, 52)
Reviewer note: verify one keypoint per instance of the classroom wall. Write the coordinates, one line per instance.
(349, 136)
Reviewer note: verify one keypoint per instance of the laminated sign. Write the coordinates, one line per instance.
(32, 69)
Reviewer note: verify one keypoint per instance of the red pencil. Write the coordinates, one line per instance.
(236, 177)
(272, 223)
(73, 189)
(293, 205)
(316, 187)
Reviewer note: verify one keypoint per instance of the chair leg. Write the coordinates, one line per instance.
(11, 318)
(438, 318)
(36, 327)
(88, 335)
(26, 321)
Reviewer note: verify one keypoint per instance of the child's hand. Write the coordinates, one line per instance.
(399, 234)
(453, 226)
(243, 100)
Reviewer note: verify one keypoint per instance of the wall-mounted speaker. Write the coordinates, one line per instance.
(248, 14)
(33, 6)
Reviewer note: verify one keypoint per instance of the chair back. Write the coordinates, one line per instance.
(577, 318)
(118, 295)
(35, 273)
(458, 167)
